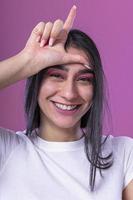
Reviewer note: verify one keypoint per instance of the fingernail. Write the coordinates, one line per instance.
(42, 43)
(87, 66)
(74, 6)
(51, 41)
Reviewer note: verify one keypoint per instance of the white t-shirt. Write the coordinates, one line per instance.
(36, 169)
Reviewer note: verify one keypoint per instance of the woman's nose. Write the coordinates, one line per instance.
(69, 91)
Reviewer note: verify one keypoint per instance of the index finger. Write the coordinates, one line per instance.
(70, 19)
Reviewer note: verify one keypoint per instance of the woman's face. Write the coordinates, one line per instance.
(66, 94)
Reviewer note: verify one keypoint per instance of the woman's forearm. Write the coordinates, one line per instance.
(13, 69)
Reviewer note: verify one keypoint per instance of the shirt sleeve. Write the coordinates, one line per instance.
(128, 164)
(8, 141)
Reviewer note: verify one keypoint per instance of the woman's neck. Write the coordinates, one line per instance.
(51, 133)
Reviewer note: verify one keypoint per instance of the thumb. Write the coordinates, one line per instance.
(69, 58)
(36, 33)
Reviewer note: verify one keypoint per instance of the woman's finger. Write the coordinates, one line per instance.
(36, 33)
(70, 19)
(46, 33)
(62, 30)
(57, 27)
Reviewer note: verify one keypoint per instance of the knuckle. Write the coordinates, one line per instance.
(37, 29)
(41, 23)
(59, 21)
(45, 37)
(53, 35)
(49, 24)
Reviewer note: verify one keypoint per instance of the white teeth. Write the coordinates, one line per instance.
(65, 107)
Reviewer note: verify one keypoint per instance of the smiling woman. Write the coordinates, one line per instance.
(63, 148)
(64, 97)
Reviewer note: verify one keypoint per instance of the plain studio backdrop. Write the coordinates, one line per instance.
(108, 22)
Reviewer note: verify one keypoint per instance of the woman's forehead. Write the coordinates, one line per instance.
(85, 55)
(74, 50)
(77, 66)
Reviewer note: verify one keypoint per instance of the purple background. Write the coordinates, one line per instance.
(108, 22)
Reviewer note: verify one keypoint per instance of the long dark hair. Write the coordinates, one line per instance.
(92, 121)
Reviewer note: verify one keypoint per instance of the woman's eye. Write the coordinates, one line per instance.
(58, 76)
(86, 80)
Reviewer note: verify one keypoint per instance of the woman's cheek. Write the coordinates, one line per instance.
(48, 88)
(87, 93)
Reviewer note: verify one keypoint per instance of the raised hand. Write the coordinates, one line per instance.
(45, 46)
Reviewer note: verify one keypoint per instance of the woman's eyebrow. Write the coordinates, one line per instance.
(85, 71)
(61, 67)
(64, 68)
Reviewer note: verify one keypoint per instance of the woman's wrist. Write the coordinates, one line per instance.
(28, 65)
(14, 69)
(32, 63)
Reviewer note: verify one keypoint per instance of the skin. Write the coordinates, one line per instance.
(128, 192)
(45, 42)
(68, 88)
(37, 54)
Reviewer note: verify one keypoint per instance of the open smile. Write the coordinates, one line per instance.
(65, 107)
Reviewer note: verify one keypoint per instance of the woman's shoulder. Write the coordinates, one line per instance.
(118, 144)
(121, 140)
(9, 141)
(10, 138)
(15, 137)
(122, 147)
(6, 135)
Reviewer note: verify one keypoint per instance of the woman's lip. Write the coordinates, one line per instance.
(74, 104)
(65, 112)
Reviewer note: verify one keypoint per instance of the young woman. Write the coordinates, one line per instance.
(63, 153)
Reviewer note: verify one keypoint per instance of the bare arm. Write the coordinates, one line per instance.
(12, 69)
(128, 192)
(45, 47)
